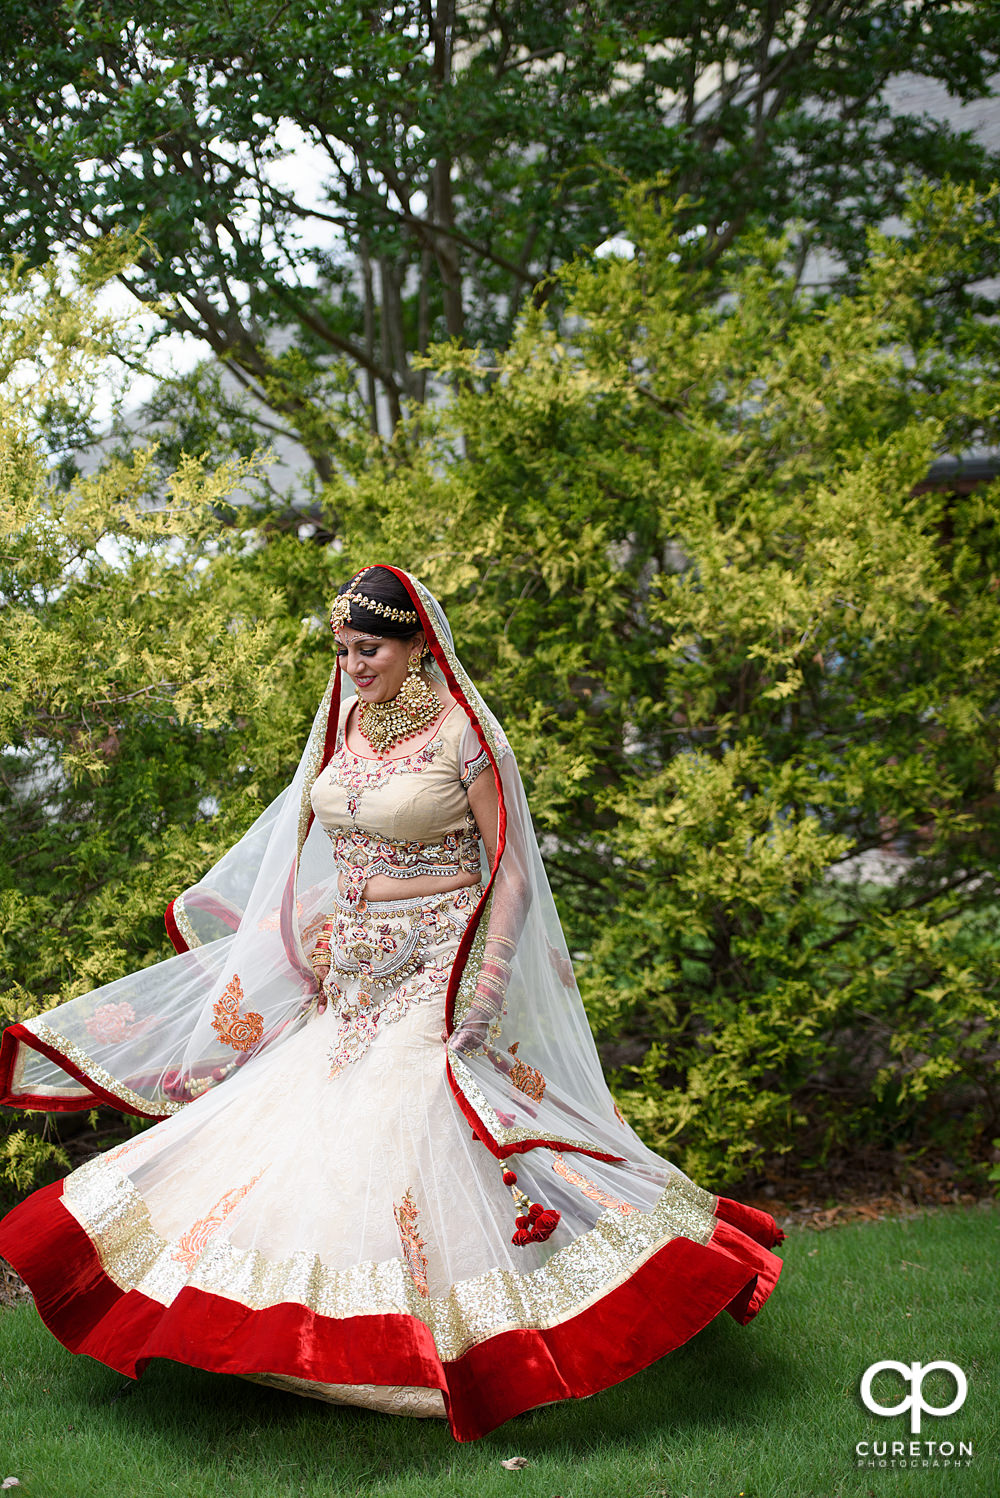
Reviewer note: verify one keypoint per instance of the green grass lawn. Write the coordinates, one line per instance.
(767, 1411)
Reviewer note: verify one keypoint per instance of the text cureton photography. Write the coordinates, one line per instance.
(914, 1453)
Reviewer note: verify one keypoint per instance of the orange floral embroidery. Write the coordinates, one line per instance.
(589, 1188)
(241, 1031)
(620, 1115)
(526, 1078)
(272, 921)
(312, 930)
(406, 1214)
(121, 1150)
(194, 1242)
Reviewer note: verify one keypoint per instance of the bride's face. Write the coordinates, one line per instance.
(376, 665)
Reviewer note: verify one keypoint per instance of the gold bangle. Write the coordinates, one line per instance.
(499, 962)
(503, 941)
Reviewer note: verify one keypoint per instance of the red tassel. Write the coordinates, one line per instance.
(544, 1226)
(534, 1222)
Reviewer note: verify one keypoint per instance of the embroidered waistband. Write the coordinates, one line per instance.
(360, 855)
(376, 908)
(384, 942)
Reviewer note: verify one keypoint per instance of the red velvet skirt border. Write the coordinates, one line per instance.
(670, 1297)
(11, 1040)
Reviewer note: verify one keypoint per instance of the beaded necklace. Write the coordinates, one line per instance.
(412, 710)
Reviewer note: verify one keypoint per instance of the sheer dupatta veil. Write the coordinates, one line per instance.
(241, 983)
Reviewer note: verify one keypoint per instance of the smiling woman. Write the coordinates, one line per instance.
(392, 1174)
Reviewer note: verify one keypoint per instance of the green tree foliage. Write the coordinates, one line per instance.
(464, 152)
(750, 665)
(158, 665)
(745, 657)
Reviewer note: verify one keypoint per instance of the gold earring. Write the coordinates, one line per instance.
(415, 696)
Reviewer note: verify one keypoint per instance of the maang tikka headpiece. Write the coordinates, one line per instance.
(341, 611)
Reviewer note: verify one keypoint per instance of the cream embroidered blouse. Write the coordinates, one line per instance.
(402, 817)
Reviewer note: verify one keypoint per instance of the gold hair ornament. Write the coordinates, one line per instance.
(340, 614)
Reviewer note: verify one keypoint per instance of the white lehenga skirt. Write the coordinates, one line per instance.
(326, 1221)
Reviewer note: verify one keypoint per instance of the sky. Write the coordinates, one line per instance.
(303, 169)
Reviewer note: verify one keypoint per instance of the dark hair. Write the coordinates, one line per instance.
(382, 586)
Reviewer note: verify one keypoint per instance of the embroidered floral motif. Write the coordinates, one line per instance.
(272, 921)
(526, 1078)
(110, 1022)
(589, 1188)
(474, 769)
(193, 1243)
(121, 1150)
(241, 1031)
(406, 1215)
(361, 1017)
(420, 942)
(359, 855)
(381, 954)
(357, 775)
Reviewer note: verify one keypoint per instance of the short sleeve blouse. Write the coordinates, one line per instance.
(416, 797)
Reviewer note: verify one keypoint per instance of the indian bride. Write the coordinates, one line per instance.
(388, 1171)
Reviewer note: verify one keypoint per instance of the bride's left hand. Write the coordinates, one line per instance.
(469, 1038)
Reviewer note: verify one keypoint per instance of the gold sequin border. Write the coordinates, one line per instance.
(313, 763)
(500, 1132)
(183, 923)
(421, 1404)
(488, 725)
(112, 1212)
(466, 992)
(97, 1074)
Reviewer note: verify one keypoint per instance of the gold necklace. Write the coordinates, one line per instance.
(411, 711)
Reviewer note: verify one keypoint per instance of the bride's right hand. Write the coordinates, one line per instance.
(322, 971)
